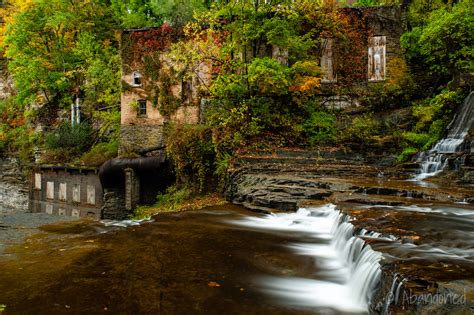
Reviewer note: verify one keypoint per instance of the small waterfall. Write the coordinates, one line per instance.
(347, 268)
(435, 160)
(394, 294)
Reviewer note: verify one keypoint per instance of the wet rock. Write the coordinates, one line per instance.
(13, 186)
(279, 192)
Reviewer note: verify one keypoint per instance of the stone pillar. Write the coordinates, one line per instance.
(132, 189)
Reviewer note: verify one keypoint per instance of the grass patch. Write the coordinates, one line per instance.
(178, 199)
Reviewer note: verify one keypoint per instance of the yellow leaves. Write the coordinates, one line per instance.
(310, 83)
(8, 13)
(306, 76)
(48, 65)
(306, 84)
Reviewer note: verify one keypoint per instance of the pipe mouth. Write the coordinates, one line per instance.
(111, 173)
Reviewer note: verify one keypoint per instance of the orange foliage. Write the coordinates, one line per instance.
(306, 84)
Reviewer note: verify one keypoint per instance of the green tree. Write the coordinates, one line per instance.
(55, 47)
(441, 39)
(134, 13)
(447, 40)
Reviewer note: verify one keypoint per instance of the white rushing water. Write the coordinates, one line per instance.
(435, 160)
(347, 269)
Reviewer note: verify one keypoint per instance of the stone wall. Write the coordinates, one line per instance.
(66, 191)
(139, 87)
(114, 204)
(387, 21)
(13, 186)
(135, 138)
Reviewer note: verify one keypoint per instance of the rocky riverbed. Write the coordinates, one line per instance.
(428, 246)
(203, 262)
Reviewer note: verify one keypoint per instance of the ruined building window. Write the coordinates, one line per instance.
(37, 181)
(141, 108)
(50, 190)
(62, 191)
(186, 90)
(137, 78)
(91, 194)
(327, 61)
(76, 193)
(376, 55)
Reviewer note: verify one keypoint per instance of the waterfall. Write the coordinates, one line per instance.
(347, 268)
(436, 159)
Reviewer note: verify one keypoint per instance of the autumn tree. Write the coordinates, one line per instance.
(62, 49)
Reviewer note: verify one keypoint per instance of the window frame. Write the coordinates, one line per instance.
(377, 46)
(142, 108)
(136, 75)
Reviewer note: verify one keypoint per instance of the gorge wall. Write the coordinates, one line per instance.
(13, 186)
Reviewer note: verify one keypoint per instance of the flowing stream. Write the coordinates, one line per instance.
(348, 270)
(435, 160)
(322, 259)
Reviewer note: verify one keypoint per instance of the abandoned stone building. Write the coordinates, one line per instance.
(155, 93)
(66, 191)
(143, 117)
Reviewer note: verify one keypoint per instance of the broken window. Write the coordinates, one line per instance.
(141, 108)
(91, 194)
(186, 91)
(37, 181)
(76, 193)
(137, 78)
(327, 60)
(50, 190)
(376, 55)
(62, 191)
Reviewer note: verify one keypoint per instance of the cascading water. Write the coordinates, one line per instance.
(434, 161)
(348, 270)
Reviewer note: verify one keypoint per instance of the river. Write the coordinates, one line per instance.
(227, 259)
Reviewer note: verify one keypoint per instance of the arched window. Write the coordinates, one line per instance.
(137, 78)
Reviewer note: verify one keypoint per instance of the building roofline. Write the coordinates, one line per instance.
(142, 29)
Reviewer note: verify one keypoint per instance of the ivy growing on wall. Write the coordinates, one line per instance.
(146, 52)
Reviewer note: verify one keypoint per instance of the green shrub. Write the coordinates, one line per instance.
(230, 86)
(192, 152)
(320, 128)
(406, 154)
(361, 129)
(418, 140)
(268, 76)
(171, 200)
(75, 138)
(100, 153)
(172, 197)
(232, 125)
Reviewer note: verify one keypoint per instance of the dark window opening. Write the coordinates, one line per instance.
(137, 78)
(141, 108)
(186, 91)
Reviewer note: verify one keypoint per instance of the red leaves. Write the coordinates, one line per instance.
(155, 38)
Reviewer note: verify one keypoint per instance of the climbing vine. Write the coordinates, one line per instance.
(146, 51)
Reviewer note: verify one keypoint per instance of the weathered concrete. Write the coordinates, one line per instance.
(66, 191)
